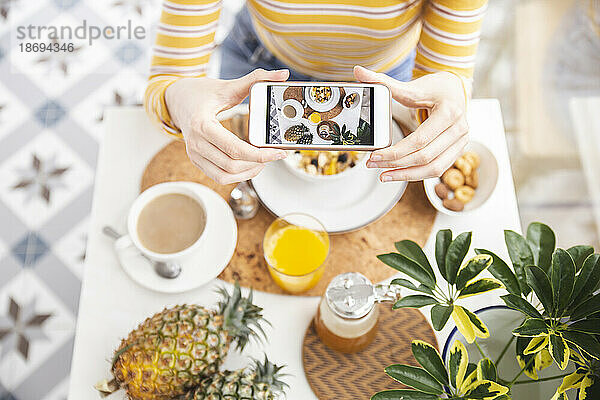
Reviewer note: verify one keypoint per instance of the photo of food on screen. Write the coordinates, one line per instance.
(320, 115)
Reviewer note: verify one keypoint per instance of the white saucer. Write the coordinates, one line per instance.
(212, 258)
(341, 205)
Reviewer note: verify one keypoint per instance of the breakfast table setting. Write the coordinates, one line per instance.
(357, 217)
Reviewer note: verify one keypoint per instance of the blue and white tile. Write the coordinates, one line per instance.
(34, 323)
(55, 72)
(125, 89)
(41, 178)
(70, 249)
(13, 113)
(15, 12)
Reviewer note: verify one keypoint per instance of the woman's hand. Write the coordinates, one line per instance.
(434, 146)
(194, 104)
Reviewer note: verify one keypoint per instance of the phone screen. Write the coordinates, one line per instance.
(320, 115)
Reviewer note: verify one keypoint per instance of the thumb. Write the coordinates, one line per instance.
(406, 93)
(240, 88)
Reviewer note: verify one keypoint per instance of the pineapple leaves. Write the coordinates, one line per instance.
(542, 242)
(520, 304)
(457, 250)
(413, 251)
(430, 360)
(414, 301)
(580, 254)
(414, 377)
(473, 268)
(442, 242)
(403, 394)
(440, 314)
(539, 282)
(500, 270)
(563, 279)
(409, 267)
(520, 255)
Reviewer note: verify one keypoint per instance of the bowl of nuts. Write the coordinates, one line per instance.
(466, 185)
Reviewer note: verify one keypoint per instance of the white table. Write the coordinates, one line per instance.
(111, 304)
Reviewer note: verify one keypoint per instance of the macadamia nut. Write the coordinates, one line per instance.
(453, 178)
(464, 194)
(464, 166)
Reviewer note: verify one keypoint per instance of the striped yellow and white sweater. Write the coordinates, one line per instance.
(377, 34)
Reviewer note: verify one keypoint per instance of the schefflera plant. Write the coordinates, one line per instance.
(461, 281)
(459, 379)
(562, 320)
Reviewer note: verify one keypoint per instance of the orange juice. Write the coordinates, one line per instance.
(295, 255)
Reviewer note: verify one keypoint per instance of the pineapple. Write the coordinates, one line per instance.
(307, 138)
(293, 133)
(261, 382)
(172, 351)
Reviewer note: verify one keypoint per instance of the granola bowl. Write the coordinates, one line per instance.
(325, 166)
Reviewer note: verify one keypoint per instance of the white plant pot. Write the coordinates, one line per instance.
(501, 320)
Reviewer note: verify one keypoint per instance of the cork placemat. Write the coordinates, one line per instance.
(412, 218)
(297, 93)
(333, 375)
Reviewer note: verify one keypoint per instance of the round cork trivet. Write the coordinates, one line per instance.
(412, 218)
(296, 93)
(333, 375)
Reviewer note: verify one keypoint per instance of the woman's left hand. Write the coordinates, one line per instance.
(434, 146)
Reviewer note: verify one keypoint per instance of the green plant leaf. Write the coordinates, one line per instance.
(589, 388)
(542, 241)
(539, 282)
(586, 280)
(470, 378)
(520, 255)
(586, 325)
(473, 268)
(563, 279)
(501, 271)
(479, 286)
(485, 390)
(525, 360)
(584, 342)
(458, 359)
(579, 254)
(409, 285)
(408, 267)
(588, 307)
(520, 304)
(410, 249)
(440, 313)
(531, 327)
(559, 350)
(537, 344)
(479, 328)
(457, 251)
(415, 301)
(442, 241)
(403, 394)
(486, 370)
(414, 377)
(430, 360)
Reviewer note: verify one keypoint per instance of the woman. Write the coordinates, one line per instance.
(433, 41)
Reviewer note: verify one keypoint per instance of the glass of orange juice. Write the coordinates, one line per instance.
(295, 248)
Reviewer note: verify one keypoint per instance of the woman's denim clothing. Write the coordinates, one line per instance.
(242, 52)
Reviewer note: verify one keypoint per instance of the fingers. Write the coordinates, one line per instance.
(406, 93)
(205, 149)
(428, 153)
(442, 116)
(236, 148)
(221, 176)
(436, 168)
(240, 88)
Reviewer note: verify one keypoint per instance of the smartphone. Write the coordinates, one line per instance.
(320, 116)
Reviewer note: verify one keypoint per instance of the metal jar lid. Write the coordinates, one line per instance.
(350, 295)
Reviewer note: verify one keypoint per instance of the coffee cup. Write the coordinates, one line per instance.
(167, 222)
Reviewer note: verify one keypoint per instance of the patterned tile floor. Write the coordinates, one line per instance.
(50, 117)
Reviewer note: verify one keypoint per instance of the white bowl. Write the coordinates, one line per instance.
(291, 163)
(488, 177)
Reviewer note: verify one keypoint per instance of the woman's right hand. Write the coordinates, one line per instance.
(194, 103)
